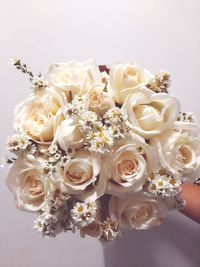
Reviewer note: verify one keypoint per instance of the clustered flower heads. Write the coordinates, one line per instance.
(100, 152)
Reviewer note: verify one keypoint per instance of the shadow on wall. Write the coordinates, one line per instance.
(175, 244)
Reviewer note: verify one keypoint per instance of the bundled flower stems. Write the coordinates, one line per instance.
(99, 150)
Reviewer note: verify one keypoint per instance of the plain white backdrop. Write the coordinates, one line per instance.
(157, 34)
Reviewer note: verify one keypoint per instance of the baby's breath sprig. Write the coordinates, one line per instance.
(54, 217)
(74, 108)
(57, 158)
(89, 121)
(117, 120)
(186, 117)
(20, 144)
(160, 82)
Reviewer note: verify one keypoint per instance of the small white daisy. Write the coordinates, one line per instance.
(101, 140)
(53, 149)
(83, 213)
(164, 184)
(115, 116)
(18, 142)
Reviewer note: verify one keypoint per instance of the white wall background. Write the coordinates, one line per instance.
(154, 33)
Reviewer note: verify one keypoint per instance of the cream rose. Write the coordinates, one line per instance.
(150, 113)
(125, 78)
(97, 100)
(127, 165)
(179, 152)
(139, 210)
(39, 116)
(80, 175)
(73, 78)
(26, 182)
(68, 134)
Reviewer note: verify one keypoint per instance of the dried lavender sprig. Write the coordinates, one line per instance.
(22, 66)
(38, 82)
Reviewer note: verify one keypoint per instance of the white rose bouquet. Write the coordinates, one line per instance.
(100, 150)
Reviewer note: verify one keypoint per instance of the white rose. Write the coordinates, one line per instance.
(127, 165)
(150, 113)
(39, 116)
(27, 184)
(73, 77)
(139, 210)
(80, 175)
(97, 100)
(125, 78)
(179, 152)
(69, 135)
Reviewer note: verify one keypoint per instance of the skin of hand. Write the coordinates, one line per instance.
(191, 194)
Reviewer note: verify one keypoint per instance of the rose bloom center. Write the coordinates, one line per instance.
(127, 167)
(77, 175)
(143, 213)
(185, 154)
(149, 115)
(34, 186)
